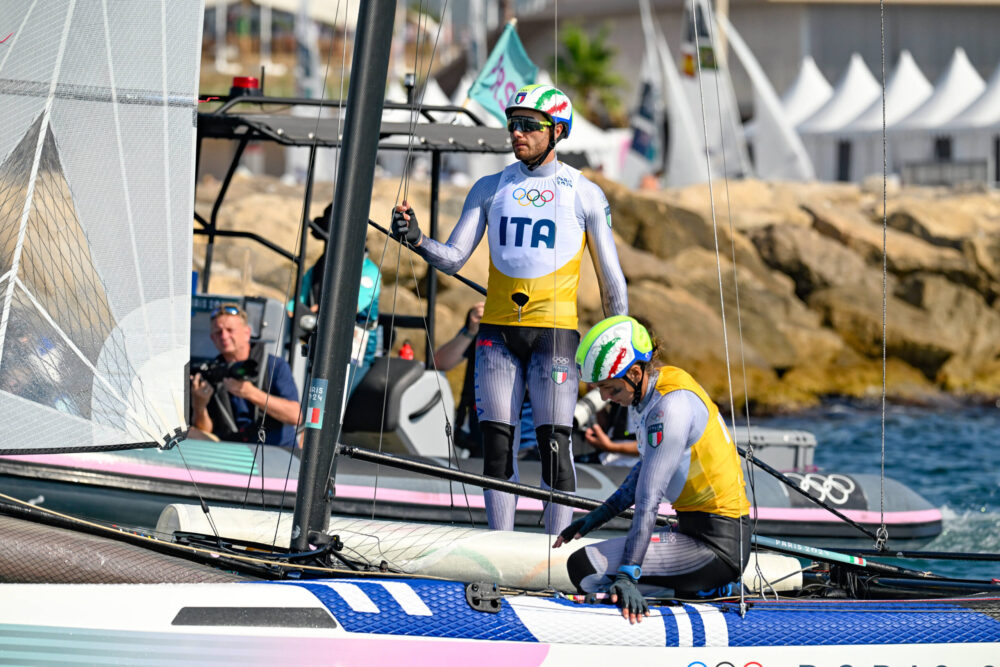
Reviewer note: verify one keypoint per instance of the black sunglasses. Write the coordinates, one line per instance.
(524, 124)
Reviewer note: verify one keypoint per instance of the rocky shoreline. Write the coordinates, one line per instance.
(808, 265)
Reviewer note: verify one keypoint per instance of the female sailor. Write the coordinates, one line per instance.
(686, 458)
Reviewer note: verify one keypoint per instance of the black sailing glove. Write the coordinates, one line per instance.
(590, 521)
(406, 230)
(629, 599)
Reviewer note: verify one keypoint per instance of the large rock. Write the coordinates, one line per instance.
(905, 253)
(689, 335)
(857, 377)
(964, 324)
(911, 334)
(812, 260)
(946, 221)
(751, 203)
(649, 222)
(969, 223)
(773, 322)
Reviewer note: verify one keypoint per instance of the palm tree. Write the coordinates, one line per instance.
(585, 67)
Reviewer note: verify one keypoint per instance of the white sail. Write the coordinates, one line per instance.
(709, 90)
(647, 149)
(96, 204)
(777, 149)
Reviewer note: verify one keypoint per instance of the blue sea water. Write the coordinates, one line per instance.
(951, 456)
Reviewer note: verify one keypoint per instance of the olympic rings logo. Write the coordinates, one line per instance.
(533, 197)
(834, 488)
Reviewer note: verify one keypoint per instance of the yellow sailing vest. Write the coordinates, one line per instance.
(715, 477)
(536, 245)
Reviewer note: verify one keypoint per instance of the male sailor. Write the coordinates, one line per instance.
(538, 215)
(686, 458)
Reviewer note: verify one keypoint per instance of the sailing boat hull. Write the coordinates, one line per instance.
(132, 487)
(396, 621)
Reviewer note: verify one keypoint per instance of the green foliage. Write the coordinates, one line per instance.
(586, 71)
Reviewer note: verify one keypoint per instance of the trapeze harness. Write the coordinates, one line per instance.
(688, 459)
(538, 224)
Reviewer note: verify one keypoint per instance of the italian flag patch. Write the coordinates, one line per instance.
(654, 435)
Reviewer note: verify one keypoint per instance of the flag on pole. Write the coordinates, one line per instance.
(506, 70)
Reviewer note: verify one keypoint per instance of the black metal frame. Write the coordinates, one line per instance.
(244, 128)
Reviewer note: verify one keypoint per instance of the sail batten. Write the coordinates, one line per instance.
(96, 203)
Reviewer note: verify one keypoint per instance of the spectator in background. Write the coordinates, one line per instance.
(451, 354)
(365, 344)
(608, 434)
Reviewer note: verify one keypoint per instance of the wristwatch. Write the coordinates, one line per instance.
(633, 571)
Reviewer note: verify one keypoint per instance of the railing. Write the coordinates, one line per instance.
(946, 173)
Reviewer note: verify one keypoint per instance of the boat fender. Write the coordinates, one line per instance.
(484, 596)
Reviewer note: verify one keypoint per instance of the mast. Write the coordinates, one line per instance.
(342, 278)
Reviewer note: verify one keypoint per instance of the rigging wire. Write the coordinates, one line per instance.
(553, 444)
(749, 455)
(883, 533)
(695, 7)
(404, 188)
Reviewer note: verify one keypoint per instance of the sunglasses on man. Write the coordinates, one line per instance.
(525, 124)
(228, 309)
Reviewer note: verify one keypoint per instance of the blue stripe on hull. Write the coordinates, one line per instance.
(451, 616)
(445, 613)
(839, 623)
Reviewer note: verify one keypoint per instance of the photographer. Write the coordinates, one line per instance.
(234, 406)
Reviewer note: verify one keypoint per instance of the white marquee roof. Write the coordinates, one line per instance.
(953, 92)
(985, 111)
(856, 90)
(807, 93)
(908, 88)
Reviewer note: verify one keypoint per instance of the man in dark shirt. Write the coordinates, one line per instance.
(235, 408)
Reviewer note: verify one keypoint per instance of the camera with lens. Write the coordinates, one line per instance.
(585, 412)
(216, 370)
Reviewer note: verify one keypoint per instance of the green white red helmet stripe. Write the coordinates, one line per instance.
(611, 347)
(545, 99)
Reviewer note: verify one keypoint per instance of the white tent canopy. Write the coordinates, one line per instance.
(907, 89)
(807, 94)
(920, 138)
(975, 133)
(855, 91)
(984, 111)
(957, 88)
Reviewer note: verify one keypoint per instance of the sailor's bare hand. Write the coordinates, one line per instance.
(560, 540)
